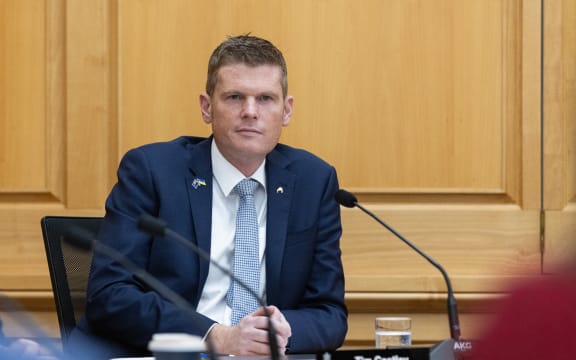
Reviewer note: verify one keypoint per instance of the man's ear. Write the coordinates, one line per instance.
(206, 108)
(288, 107)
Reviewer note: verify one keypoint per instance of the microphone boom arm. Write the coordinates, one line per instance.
(451, 301)
(142, 275)
(158, 227)
(85, 240)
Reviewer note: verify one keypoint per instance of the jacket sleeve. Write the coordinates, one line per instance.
(119, 305)
(319, 321)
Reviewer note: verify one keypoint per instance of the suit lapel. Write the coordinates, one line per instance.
(199, 185)
(280, 189)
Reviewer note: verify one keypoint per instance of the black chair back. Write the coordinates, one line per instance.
(69, 268)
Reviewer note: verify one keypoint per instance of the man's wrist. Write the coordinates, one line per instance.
(218, 336)
(208, 332)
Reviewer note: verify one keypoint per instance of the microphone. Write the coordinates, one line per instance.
(86, 240)
(158, 227)
(348, 199)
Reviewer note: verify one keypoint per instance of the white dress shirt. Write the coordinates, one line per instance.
(224, 207)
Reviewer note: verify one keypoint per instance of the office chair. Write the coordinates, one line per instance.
(69, 268)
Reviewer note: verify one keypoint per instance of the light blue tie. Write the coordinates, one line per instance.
(246, 254)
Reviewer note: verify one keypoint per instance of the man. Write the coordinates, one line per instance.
(190, 183)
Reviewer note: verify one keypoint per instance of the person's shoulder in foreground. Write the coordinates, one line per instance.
(537, 320)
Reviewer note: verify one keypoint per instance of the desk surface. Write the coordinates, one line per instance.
(236, 357)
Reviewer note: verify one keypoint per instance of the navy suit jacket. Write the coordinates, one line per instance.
(304, 275)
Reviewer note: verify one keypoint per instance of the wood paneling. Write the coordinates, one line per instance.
(429, 110)
(496, 236)
(55, 155)
(90, 93)
(22, 97)
(403, 94)
(407, 96)
(559, 147)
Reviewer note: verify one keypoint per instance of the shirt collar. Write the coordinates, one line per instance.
(227, 176)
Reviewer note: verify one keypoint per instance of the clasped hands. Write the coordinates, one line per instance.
(250, 335)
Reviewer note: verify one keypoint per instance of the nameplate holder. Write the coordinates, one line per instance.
(411, 353)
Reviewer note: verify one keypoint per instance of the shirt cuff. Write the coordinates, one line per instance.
(208, 332)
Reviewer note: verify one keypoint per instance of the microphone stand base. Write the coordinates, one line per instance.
(444, 350)
(451, 350)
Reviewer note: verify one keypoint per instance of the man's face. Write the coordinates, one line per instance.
(247, 112)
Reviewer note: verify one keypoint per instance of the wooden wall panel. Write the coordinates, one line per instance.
(403, 92)
(31, 179)
(90, 92)
(393, 105)
(42, 155)
(22, 97)
(559, 146)
(430, 111)
(55, 153)
(377, 261)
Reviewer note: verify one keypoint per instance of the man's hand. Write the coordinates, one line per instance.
(250, 335)
(282, 327)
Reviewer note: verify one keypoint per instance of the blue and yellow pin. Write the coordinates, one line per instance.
(198, 182)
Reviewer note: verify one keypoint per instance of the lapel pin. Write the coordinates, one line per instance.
(280, 190)
(198, 182)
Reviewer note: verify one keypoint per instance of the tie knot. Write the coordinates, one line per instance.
(246, 187)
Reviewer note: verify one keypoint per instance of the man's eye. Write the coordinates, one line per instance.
(234, 97)
(265, 98)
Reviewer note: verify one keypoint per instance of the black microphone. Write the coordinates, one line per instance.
(86, 240)
(158, 227)
(348, 199)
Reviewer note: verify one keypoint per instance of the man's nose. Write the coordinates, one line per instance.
(250, 108)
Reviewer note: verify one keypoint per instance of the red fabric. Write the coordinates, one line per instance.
(537, 321)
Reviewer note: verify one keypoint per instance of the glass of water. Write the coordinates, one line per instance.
(393, 332)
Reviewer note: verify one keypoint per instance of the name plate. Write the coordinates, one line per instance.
(412, 353)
